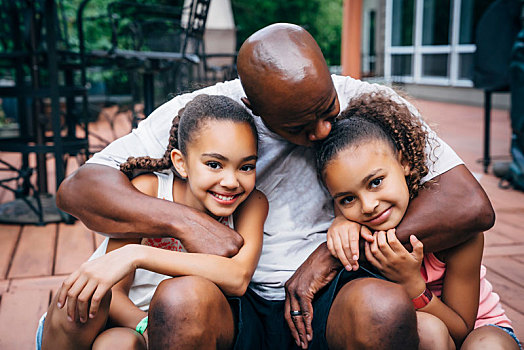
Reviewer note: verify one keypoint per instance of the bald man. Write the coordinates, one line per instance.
(300, 296)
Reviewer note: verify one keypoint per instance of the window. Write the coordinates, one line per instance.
(402, 31)
(431, 41)
(435, 22)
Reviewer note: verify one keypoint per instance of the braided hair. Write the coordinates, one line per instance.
(185, 126)
(375, 116)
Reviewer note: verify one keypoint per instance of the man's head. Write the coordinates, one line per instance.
(287, 83)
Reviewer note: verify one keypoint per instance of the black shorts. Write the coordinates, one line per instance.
(261, 324)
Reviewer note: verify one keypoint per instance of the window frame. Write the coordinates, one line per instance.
(454, 49)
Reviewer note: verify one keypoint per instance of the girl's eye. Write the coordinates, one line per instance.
(347, 200)
(248, 167)
(376, 182)
(213, 165)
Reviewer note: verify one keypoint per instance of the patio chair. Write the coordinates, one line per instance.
(492, 57)
(36, 54)
(149, 39)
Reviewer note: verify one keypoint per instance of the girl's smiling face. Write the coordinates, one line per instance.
(219, 167)
(368, 185)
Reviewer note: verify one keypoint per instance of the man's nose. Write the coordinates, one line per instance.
(320, 131)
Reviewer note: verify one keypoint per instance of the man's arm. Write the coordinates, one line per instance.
(104, 199)
(447, 211)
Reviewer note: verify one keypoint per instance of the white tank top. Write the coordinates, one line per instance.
(145, 282)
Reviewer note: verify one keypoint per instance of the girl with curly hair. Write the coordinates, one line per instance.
(372, 164)
(210, 166)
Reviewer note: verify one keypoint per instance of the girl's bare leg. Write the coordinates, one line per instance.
(120, 338)
(433, 333)
(489, 337)
(60, 333)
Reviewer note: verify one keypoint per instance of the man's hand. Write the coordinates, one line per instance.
(210, 237)
(316, 272)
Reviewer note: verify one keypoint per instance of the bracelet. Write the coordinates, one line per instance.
(142, 325)
(423, 299)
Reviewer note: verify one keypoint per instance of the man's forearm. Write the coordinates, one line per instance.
(447, 211)
(106, 201)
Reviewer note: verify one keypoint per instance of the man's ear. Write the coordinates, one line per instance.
(179, 162)
(248, 105)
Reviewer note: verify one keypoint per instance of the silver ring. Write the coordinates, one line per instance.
(296, 313)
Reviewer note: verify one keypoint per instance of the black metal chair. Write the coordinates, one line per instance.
(150, 38)
(35, 53)
(492, 58)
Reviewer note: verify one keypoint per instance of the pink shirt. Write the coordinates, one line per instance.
(490, 310)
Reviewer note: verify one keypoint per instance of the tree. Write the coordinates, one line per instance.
(323, 19)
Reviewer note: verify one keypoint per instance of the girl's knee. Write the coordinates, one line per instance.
(59, 331)
(489, 337)
(119, 338)
(433, 333)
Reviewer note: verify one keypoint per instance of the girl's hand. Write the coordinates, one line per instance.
(342, 242)
(390, 257)
(88, 285)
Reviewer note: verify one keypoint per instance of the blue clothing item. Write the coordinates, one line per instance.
(510, 332)
(40, 331)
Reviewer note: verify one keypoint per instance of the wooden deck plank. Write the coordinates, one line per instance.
(36, 283)
(494, 238)
(38, 243)
(4, 286)
(19, 315)
(517, 319)
(504, 250)
(75, 245)
(9, 235)
(507, 267)
(509, 292)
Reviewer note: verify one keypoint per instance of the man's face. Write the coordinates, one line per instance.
(307, 119)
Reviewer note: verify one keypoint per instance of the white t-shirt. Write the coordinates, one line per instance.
(300, 210)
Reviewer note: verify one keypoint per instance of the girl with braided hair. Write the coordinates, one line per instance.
(212, 153)
(372, 163)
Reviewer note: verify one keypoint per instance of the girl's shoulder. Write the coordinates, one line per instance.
(256, 202)
(257, 198)
(146, 183)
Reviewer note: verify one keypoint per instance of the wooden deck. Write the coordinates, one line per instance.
(34, 260)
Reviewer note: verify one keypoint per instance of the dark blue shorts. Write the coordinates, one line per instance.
(261, 324)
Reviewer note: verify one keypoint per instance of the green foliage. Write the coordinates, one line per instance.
(323, 19)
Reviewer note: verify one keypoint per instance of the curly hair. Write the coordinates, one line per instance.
(185, 126)
(373, 116)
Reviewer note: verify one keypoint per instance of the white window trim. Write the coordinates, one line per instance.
(417, 50)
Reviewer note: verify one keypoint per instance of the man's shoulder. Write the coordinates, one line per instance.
(230, 88)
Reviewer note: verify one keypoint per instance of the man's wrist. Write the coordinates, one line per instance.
(333, 263)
